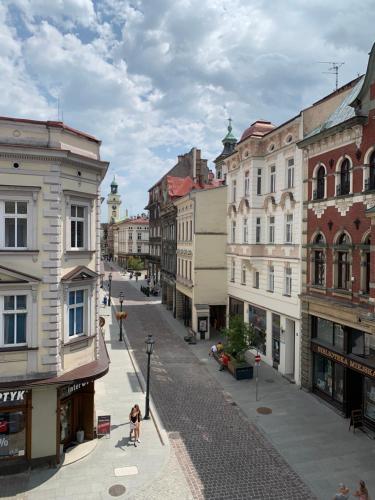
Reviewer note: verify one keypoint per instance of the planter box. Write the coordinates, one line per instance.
(240, 370)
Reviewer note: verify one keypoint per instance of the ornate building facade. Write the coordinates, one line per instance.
(131, 239)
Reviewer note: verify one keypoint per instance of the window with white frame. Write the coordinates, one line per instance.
(288, 281)
(247, 183)
(13, 320)
(289, 228)
(290, 173)
(76, 312)
(234, 191)
(256, 279)
(272, 179)
(233, 231)
(77, 226)
(139, 236)
(271, 229)
(15, 224)
(259, 181)
(139, 248)
(257, 230)
(243, 275)
(130, 235)
(271, 279)
(245, 230)
(232, 270)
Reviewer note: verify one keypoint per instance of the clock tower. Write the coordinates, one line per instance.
(114, 202)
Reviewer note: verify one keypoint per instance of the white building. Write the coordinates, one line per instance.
(131, 239)
(51, 349)
(264, 214)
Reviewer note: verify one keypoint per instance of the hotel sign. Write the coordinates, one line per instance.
(343, 360)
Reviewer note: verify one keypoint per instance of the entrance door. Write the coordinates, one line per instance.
(66, 421)
(290, 347)
(354, 391)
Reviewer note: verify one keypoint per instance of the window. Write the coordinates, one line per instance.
(232, 270)
(234, 191)
(259, 181)
(243, 275)
(76, 312)
(233, 231)
(139, 236)
(290, 173)
(366, 265)
(289, 228)
(191, 230)
(327, 332)
(344, 186)
(245, 230)
(12, 432)
(343, 265)
(320, 183)
(362, 344)
(247, 183)
(257, 230)
(130, 235)
(190, 264)
(139, 248)
(77, 222)
(15, 221)
(256, 279)
(319, 262)
(271, 230)
(371, 178)
(288, 281)
(272, 179)
(14, 320)
(271, 279)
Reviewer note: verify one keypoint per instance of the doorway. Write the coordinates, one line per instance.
(354, 391)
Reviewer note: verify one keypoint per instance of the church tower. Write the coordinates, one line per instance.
(229, 143)
(114, 202)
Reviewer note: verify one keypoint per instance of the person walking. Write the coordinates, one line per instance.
(224, 360)
(362, 492)
(343, 493)
(135, 419)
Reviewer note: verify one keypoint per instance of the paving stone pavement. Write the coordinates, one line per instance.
(223, 455)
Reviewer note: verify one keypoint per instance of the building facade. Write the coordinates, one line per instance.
(201, 262)
(338, 347)
(132, 240)
(264, 213)
(51, 350)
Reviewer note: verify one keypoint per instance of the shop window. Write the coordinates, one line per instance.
(76, 312)
(362, 344)
(328, 332)
(338, 382)
(323, 374)
(12, 434)
(14, 320)
(258, 319)
(338, 336)
(369, 399)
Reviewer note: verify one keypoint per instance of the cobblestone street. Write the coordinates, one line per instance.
(222, 454)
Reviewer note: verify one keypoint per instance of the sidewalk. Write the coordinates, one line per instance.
(112, 459)
(309, 434)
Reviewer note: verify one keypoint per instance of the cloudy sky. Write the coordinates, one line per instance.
(153, 78)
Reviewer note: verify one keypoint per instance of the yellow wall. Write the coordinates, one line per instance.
(43, 435)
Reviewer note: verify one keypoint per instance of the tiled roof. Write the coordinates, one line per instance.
(342, 113)
(180, 186)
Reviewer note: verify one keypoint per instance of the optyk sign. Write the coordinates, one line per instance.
(12, 397)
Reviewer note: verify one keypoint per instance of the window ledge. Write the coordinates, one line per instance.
(77, 340)
(79, 253)
(287, 295)
(22, 251)
(341, 293)
(270, 291)
(16, 349)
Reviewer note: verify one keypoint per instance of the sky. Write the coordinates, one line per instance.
(153, 78)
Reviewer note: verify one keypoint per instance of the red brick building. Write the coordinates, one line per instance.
(338, 337)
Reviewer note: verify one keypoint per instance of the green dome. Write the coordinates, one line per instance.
(114, 183)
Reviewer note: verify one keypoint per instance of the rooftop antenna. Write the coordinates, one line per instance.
(333, 69)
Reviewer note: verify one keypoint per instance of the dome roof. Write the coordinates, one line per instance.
(114, 183)
(258, 128)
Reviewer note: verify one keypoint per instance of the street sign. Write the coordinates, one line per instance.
(257, 358)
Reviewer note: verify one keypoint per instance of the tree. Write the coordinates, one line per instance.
(240, 337)
(135, 263)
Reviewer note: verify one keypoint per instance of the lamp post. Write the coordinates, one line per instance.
(149, 349)
(109, 288)
(121, 298)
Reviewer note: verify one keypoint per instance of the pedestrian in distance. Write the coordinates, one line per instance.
(135, 419)
(213, 350)
(343, 493)
(220, 346)
(362, 492)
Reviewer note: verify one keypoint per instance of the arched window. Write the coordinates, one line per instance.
(319, 261)
(320, 183)
(366, 265)
(371, 177)
(343, 264)
(344, 186)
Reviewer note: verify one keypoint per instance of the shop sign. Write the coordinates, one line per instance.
(70, 389)
(10, 398)
(104, 425)
(349, 363)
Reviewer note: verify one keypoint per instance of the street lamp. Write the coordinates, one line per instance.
(149, 349)
(121, 298)
(109, 288)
